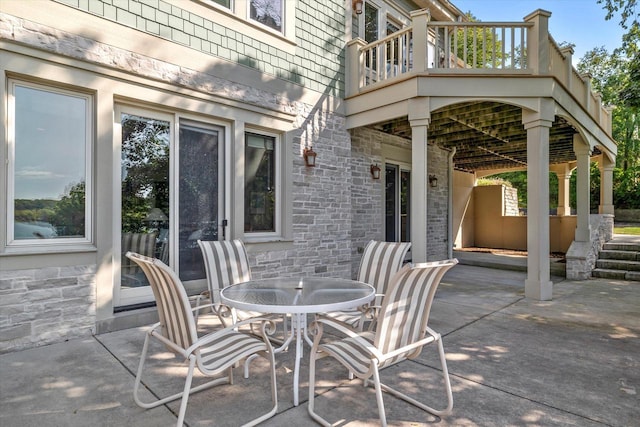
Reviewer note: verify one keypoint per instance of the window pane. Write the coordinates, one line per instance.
(370, 23)
(267, 12)
(259, 191)
(198, 206)
(50, 164)
(225, 3)
(145, 193)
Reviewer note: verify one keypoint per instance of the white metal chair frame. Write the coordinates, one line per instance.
(212, 354)
(401, 334)
(379, 262)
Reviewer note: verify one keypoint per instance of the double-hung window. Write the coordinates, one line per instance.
(49, 165)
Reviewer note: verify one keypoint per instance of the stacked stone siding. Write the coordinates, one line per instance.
(582, 256)
(48, 305)
(438, 204)
(510, 195)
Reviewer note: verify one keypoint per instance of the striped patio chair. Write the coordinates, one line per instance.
(379, 262)
(401, 333)
(140, 243)
(213, 354)
(226, 263)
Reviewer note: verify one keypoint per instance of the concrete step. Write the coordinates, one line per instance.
(609, 274)
(622, 246)
(617, 264)
(617, 254)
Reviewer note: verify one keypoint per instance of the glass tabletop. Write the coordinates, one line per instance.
(297, 295)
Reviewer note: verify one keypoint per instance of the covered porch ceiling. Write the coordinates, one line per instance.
(486, 136)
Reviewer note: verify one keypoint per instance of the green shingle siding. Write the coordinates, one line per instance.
(318, 62)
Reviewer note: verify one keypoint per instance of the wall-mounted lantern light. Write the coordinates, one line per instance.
(357, 6)
(309, 157)
(375, 171)
(433, 181)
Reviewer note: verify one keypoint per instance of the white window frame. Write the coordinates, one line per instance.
(283, 18)
(88, 169)
(278, 205)
(238, 18)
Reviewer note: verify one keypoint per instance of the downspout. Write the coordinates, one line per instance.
(450, 203)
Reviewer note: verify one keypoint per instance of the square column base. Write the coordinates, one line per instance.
(541, 291)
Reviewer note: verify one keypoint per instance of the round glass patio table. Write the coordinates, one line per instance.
(298, 297)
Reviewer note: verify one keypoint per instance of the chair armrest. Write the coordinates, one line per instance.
(350, 334)
(407, 348)
(267, 327)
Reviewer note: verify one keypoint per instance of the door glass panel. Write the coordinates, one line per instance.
(405, 205)
(397, 204)
(145, 193)
(198, 198)
(391, 203)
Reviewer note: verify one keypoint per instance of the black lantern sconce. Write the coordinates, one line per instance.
(375, 171)
(357, 6)
(433, 181)
(309, 157)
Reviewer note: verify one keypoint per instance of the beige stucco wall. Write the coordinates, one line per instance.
(463, 209)
(494, 230)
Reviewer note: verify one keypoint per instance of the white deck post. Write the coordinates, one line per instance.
(583, 154)
(538, 284)
(606, 185)
(419, 118)
(563, 172)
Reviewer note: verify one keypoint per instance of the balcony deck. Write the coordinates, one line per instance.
(476, 79)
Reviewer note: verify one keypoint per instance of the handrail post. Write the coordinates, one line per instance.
(538, 41)
(353, 66)
(420, 19)
(567, 52)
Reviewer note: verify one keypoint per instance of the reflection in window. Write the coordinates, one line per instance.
(145, 193)
(51, 134)
(267, 12)
(199, 186)
(260, 185)
(370, 23)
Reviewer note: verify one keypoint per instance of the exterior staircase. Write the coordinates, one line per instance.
(619, 259)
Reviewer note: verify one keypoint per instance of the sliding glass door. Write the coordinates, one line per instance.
(171, 172)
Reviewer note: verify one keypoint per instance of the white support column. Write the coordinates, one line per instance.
(606, 185)
(538, 284)
(563, 172)
(583, 210)
(419, 119)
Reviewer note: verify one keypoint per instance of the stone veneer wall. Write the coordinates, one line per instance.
(510, 201)
(582, 256)
(42, 306)
(438, 204)
(48, 305)
(368, 194)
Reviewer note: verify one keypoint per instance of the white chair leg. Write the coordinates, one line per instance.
(381, 412)
(185, 393)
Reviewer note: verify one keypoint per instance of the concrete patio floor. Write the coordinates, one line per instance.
(572, 361)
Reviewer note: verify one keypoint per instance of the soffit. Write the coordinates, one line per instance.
(486, 135)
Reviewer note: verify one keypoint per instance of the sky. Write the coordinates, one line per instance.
(581, 22)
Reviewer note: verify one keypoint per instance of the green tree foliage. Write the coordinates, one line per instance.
(616, 76)
(146, 161)
(68, 212)
(478, 47)
(626, 8)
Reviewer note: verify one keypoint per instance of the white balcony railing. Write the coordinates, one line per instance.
(505, 48)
